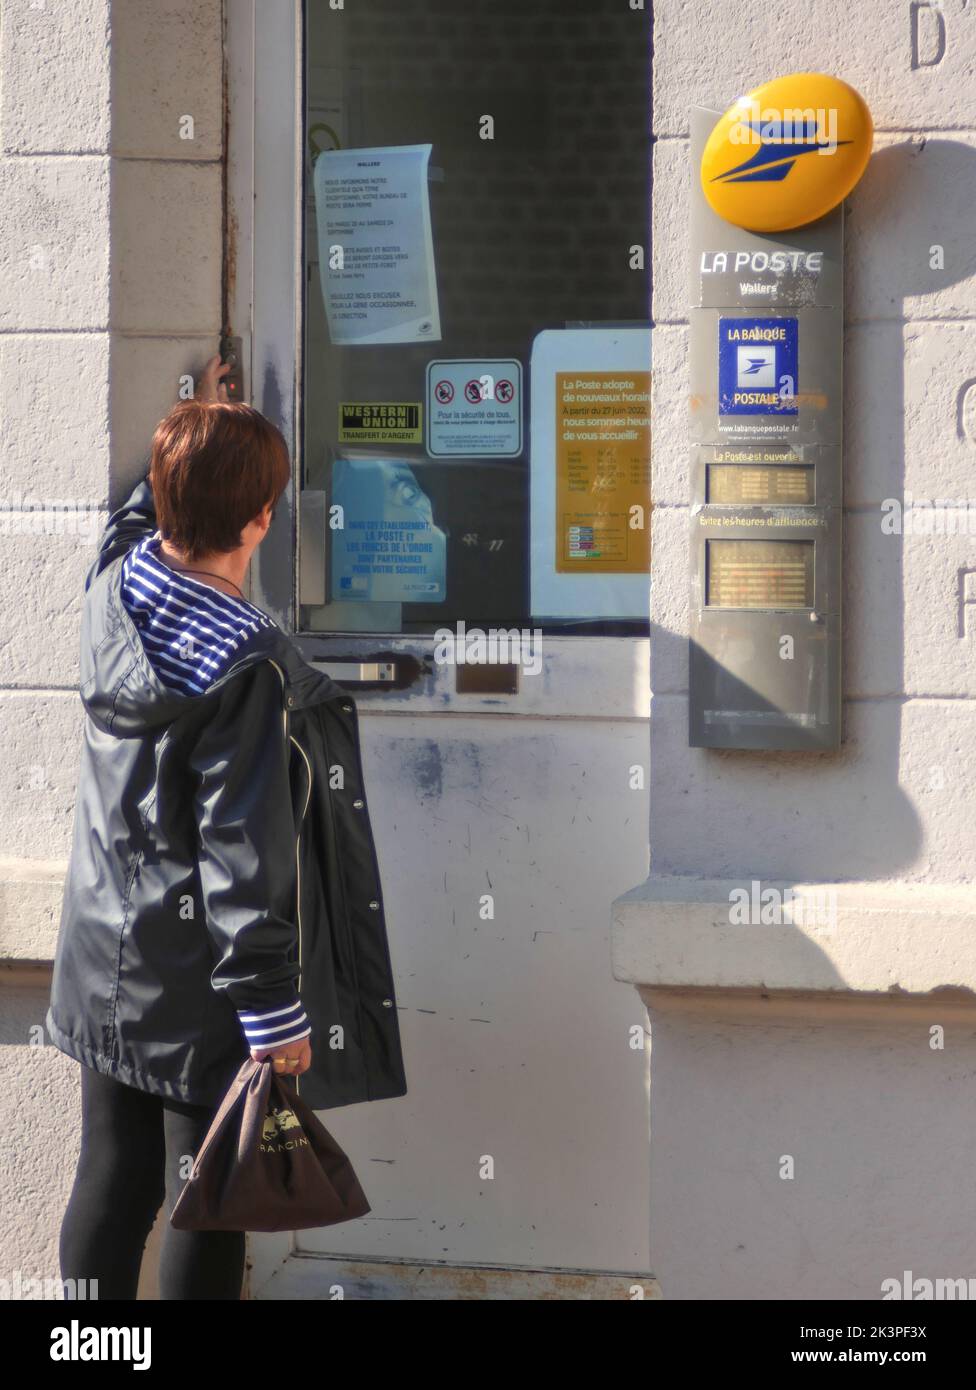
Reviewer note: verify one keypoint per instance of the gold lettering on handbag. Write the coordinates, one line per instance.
(276, 1122)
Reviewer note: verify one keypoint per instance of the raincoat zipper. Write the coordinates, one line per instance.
(290, 737)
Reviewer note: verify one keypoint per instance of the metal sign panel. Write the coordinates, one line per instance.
(765, 433)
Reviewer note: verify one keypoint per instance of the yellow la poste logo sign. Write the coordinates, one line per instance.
(787, 152)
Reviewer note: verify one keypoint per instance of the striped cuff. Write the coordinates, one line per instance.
(274, 1027)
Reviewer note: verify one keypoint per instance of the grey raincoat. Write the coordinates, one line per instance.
(222, 857)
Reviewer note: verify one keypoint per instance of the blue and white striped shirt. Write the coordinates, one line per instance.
(275, 1027)
(191, 631)
(191, 634)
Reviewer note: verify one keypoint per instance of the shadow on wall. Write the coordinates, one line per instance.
(841, 814)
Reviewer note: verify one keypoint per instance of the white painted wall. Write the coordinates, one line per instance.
(110, 275)
(868, 1109)
(879, 1127)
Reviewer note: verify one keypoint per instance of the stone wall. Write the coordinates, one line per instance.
(111, 189)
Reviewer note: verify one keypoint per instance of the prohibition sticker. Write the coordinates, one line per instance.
(474, 408)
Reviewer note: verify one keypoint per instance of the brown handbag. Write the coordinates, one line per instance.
(267, 1164)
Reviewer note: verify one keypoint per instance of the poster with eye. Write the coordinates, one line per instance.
(386, 548)
(375, 244)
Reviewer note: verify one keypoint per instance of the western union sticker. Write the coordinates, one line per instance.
(381, 422)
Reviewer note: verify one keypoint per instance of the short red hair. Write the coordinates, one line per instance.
(214, 467)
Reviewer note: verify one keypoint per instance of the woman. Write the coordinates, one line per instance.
(223, 893)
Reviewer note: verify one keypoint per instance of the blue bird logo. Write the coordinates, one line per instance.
(776, 156)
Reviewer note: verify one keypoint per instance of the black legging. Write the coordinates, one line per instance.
(132, 1147)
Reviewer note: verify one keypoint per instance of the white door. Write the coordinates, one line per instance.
(448, 318)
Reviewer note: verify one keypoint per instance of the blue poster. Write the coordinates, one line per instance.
(387, 549)
(757, 366)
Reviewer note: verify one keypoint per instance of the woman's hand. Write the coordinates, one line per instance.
(290, 1060)
(211, 386)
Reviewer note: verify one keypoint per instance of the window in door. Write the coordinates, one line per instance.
(475, 404)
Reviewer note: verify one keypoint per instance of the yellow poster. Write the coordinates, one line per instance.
(603, 472)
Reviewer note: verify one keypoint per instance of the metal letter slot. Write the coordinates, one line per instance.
(358, 672)
(388, 670)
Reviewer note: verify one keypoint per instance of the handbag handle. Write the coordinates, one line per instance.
(241, 1083)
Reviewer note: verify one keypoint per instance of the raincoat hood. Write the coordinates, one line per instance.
(120, 688)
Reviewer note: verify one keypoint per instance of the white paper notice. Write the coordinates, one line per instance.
(376, 251)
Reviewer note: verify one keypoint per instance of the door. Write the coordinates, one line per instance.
(438, 263)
